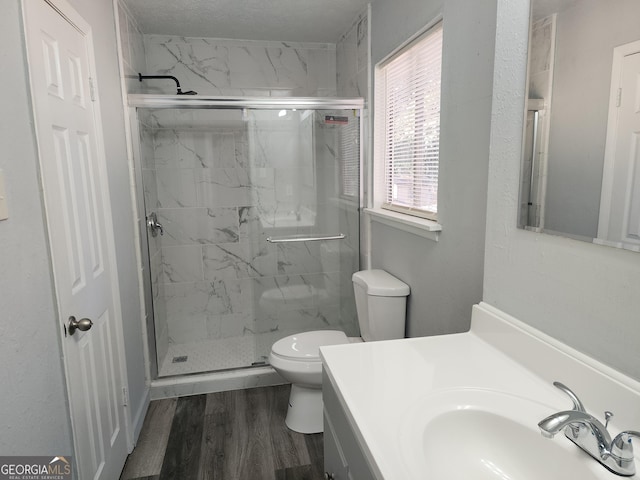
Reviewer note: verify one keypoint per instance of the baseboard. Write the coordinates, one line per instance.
(138, 418)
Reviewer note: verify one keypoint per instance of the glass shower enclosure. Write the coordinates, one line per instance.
(251, 216)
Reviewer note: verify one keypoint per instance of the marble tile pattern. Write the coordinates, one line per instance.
(132, 48)
(155, 305)
(221, 182)
(213, 66)
(219, 191)
(352, 59)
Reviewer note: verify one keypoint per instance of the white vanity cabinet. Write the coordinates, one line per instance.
(343, 456)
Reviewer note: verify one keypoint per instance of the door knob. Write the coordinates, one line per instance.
(83, 325)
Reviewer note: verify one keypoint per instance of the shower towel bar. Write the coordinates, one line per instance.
(294, 238)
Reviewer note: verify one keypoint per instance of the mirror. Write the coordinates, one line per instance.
(580, 171)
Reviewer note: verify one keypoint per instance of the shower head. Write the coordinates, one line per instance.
(179, 92)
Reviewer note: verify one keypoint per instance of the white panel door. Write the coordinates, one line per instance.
(620, 204)
(80, 233)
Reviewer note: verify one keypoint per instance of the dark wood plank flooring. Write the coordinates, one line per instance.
(238, 435)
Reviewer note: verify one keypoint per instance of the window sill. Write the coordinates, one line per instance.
(408, 223)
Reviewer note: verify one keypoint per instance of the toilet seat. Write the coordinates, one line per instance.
(305, 346)
(297, 359)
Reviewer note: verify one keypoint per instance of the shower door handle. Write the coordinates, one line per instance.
(154, 225)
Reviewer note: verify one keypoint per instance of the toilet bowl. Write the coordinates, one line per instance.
(297, 359)
(380, 306)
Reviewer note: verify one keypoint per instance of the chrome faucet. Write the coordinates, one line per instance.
(588, 433)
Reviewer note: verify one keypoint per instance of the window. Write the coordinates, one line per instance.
(408, 125)
(349, 158)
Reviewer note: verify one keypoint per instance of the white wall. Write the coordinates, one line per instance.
(33, 408)
(582, 294)
(33, 411)
(445, 277)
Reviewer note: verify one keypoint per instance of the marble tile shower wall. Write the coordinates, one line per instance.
(132, 43)
(338, 214)
(133, 61)
(152, 257)
(219, 196)
(352, 67)
(213, 66)
(213, 273)
(352, 59)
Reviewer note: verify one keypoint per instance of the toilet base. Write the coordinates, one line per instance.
(305, 410)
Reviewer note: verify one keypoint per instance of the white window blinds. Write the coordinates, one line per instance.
(349, 159)
(411, 108)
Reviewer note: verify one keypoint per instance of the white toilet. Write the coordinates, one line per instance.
(381, 307)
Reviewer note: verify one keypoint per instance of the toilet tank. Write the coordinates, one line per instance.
(381, 303)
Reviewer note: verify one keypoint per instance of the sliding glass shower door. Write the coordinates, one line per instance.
(253, 227)
(307, 217)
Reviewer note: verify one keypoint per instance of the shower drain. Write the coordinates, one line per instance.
(180, 359)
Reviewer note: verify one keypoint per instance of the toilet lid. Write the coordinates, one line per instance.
(306, 346)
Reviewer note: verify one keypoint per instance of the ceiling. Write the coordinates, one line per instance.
(321, 21)
(544, 8)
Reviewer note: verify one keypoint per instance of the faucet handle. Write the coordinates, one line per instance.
(607, 417)
(577, 404)
(622, 448)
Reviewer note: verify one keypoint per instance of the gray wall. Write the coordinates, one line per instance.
(33, 405)
(445, 277)
(585, 39)
(33, 411)
(582, 294)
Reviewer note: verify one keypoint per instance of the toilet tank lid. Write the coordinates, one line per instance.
(381, 283)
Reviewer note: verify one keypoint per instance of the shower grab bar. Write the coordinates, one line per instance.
(293, 239)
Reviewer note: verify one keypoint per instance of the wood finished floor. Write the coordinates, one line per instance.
(238, 435)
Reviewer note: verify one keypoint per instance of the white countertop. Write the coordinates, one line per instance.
(383, 386)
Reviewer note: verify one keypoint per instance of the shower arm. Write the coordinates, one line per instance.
(171, 77)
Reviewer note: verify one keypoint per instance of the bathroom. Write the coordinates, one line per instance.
(578, 293)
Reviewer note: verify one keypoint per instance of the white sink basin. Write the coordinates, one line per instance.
(467, 406)
(485, 435)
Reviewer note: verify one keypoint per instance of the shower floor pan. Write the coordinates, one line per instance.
(214, 355)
